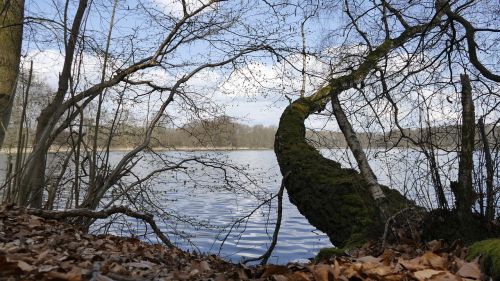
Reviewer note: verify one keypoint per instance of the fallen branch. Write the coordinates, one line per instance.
(102, 214)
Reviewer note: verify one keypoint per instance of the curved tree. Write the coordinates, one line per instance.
(352, 207)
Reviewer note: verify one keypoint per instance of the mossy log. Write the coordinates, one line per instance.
(335, 200)
(488, 252)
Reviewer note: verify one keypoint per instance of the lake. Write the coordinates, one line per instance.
(198, 205)
(203, 195)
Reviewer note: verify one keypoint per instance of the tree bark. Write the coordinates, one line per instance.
(335, 200)
(490, 210)
(463, 190)
(48, 118)
(11, 36)
(359, 154)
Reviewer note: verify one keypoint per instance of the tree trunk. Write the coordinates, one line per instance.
(335, 200)
(463, 190)
(11, 35)
(359, 155)
(48, 118)
(490, 210)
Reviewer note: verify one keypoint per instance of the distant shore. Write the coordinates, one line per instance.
(159, 149)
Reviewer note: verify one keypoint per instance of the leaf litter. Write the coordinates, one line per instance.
(34, 248)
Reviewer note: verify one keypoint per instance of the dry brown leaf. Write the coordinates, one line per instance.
(74, 275)
(43, 255)
(200, 265)
(323, 272)
(470, 270)
(433, 260)
(434, 245)
(371, 259)
(24, 266)
(47, 268)
(352, 271)
(447, 276)
(387, 256)
(379, 271)
(35, 221)
(118, 269)
(428, 274)
(101, 277)
(336, 269)
(298, 276)
(412, 265)
(393, 277)
(270, 270)
(279, 277)
(141, 264)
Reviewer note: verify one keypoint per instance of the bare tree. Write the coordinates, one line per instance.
(398, 65)
(11, 34)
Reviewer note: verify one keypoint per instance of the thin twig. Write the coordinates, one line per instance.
(267, 254)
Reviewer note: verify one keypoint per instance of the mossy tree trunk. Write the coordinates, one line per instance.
(11, 34)
(341, 202)
(337, 201)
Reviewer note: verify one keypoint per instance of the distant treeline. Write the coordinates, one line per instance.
(224, 132)
(217, 132)
(443, 137)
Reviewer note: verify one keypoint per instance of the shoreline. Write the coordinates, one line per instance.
(157, 149)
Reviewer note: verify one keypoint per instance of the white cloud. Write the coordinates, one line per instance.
(175, 7)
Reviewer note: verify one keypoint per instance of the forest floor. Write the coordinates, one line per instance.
(34, 248)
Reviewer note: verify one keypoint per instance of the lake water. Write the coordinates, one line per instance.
(200, 205)
(197, 206)
(202, 194)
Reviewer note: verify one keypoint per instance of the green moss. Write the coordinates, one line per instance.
(328, 253)
(489, 253)
(333, 199)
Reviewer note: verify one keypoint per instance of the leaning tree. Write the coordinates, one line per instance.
(396, 58)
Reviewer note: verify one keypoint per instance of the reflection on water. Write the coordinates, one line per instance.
(200, 193)
(251, 238)
(196, 194)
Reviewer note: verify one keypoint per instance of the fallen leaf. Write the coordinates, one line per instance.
(298, 276)
(47, 268)
(323, 272)
(470, 270)
(446, 276)
(412, 265)
(141, 264)
(270, 270)
(200, 265)
(336, 270)
(379, 271)
(433, 260)
(279, 277)
(427, 274)
(369, 259)
(434, 245)
(117, 268)
(25, 266)
(74, 275)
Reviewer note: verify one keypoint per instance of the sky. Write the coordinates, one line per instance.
(253, 92)
(250, 102)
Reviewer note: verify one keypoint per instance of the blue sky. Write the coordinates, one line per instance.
(257, 101)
